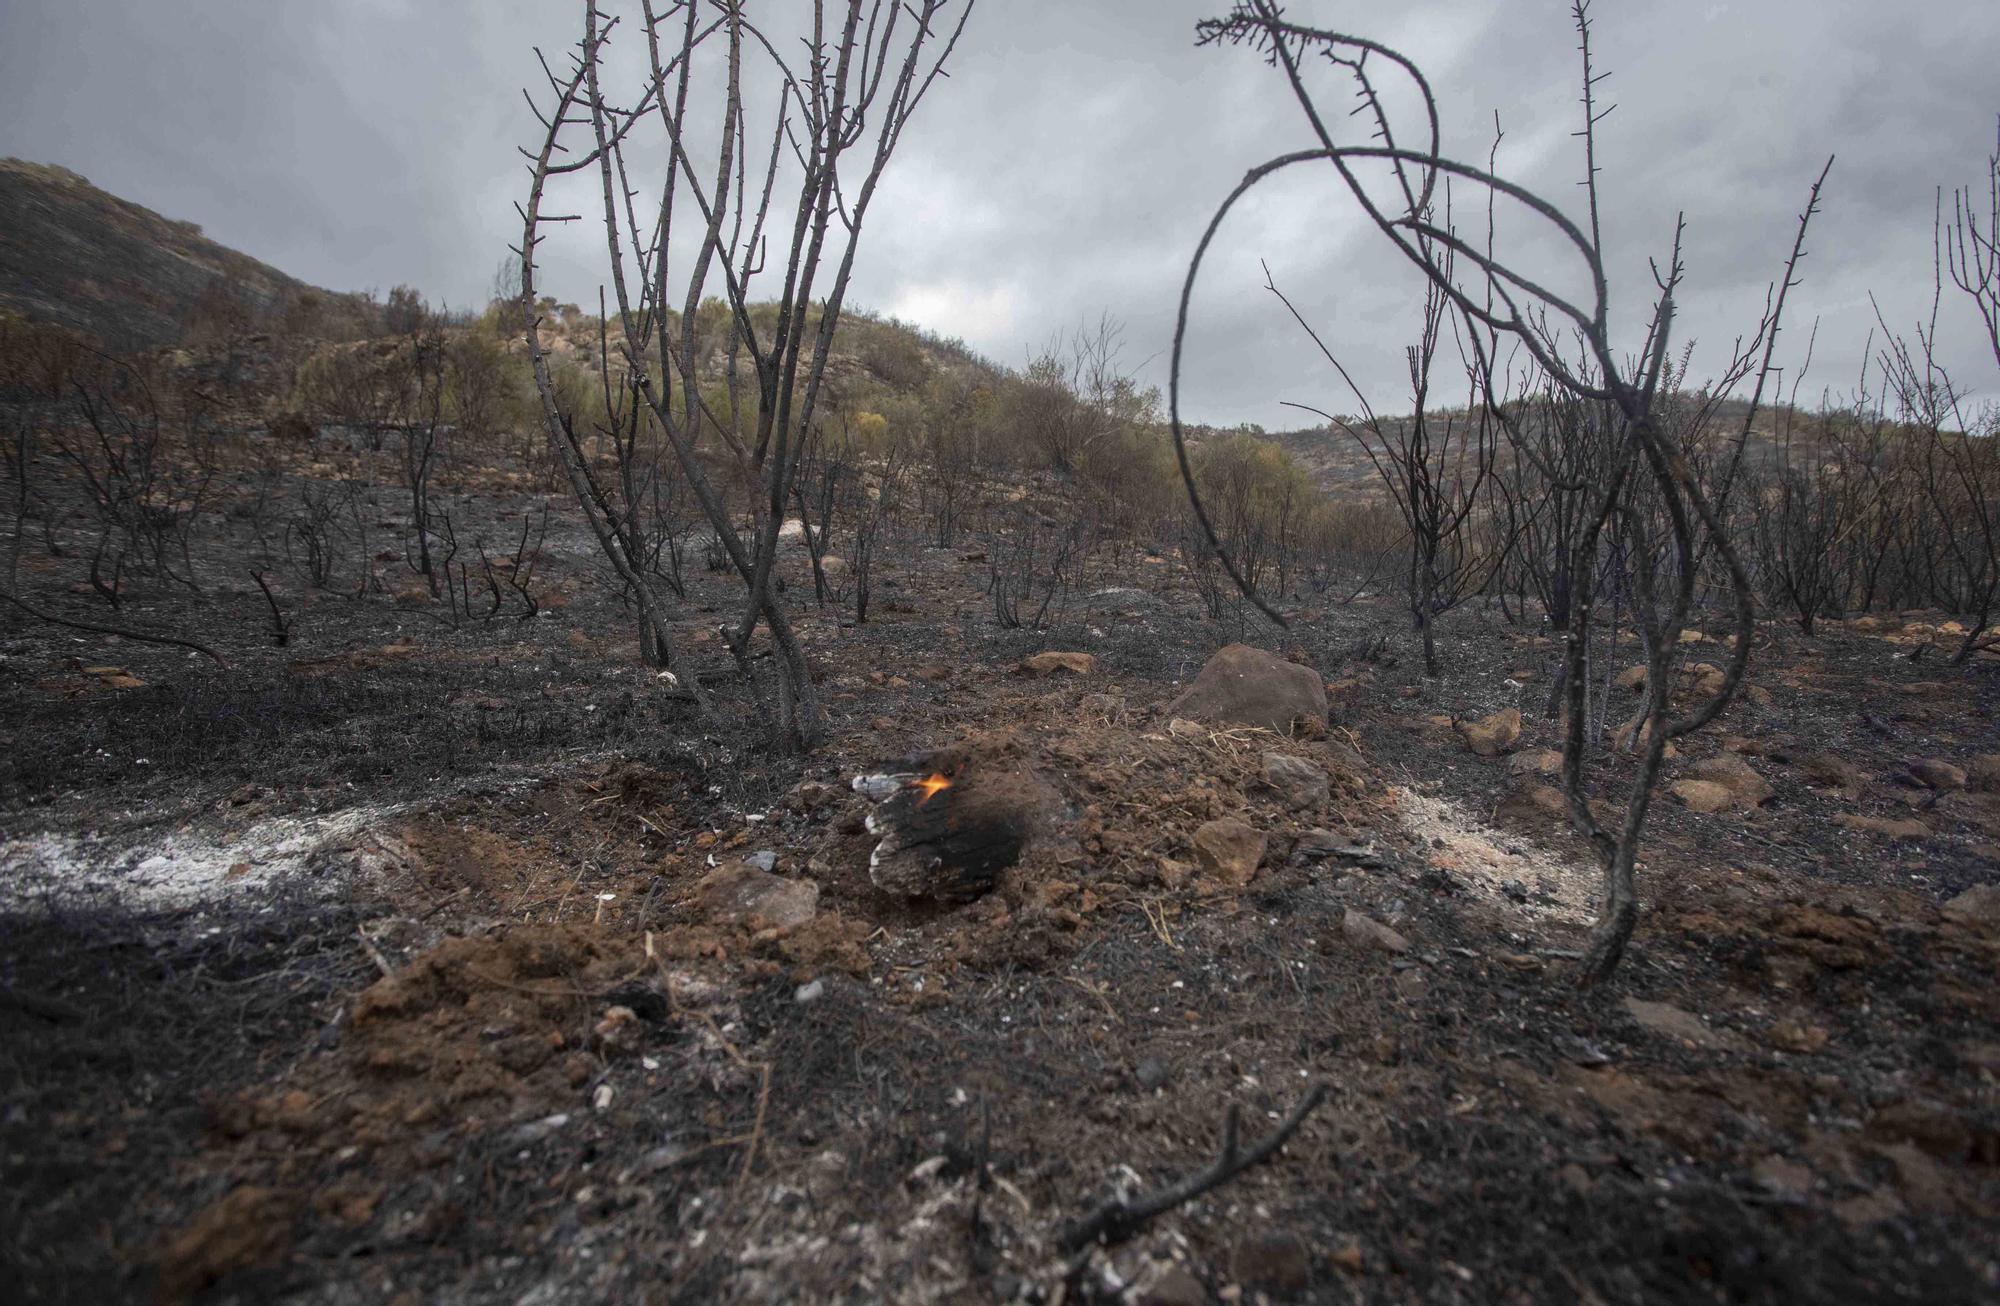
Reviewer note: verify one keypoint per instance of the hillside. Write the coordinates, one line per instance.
(81, 257)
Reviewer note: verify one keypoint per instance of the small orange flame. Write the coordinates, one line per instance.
(932, 785)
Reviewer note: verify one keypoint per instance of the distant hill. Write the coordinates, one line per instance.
(83, 258)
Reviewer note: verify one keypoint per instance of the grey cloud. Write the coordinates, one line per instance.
(1069, 164)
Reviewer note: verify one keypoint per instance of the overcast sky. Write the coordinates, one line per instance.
(1070, 163)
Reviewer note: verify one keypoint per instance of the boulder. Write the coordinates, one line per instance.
(1703, 795)
(1631, 678)
(1491, 736)
(1298, 782)
(1737, 776)
(1248, 686)
(1051, 664)
(737, 893)
(1229, 850)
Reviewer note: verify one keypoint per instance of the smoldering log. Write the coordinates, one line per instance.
(948, 825)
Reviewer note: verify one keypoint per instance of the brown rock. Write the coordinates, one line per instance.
(1783, 1178)
(1534, 804)
(1936, 1128)
(1870, 1208)
(1229, 850)
(1491, 736)
(1365, 931)
(1797, 1034)
(1833, 772)
(1630, 678)
(736, 893)
(1908, 829)
(1250, 687)
(1300, 783)
(1536, 761)
(1670, 1022)
(1170, 1285)
(1978, 907)
(1050, 664)
(1705, 679)
(1737, 776)
(1273, 1261)
(1703, 795)
(1934, 773)
(249, 1227)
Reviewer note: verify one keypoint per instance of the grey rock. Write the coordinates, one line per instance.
(1301, 784)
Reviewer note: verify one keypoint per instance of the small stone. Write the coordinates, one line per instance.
(1703, 795)
(1737, 776)
(763, 861)
(1978, 907)
(1536, 761)
(1347, 1255)
(1933, 773)
(536, 1130)
(1171, 1285)
(1984, 772)
(1783, 1178)
(1797, 1034)
(1229, 850)
(1534, 804)
(1832, 771)
(737, 893)
(1050, 664)
(809, 992)
(1900, 830)
(1152, 1074)
(1364, 931)
(1272, 1260)
(617, 1031)
(1670, 1022)
(1493, 735)
(1300, 783)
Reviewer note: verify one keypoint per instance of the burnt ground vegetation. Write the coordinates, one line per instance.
(487, 1038)
(393, 936)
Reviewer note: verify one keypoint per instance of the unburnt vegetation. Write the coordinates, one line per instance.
(718, 794)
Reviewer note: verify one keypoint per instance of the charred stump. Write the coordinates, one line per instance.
(949, 825)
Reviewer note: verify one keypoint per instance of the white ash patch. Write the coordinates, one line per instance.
(1490, 861)
(186, 867)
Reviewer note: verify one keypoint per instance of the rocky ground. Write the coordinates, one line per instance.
(415, 961)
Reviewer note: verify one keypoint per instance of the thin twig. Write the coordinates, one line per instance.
(1118, 1219)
